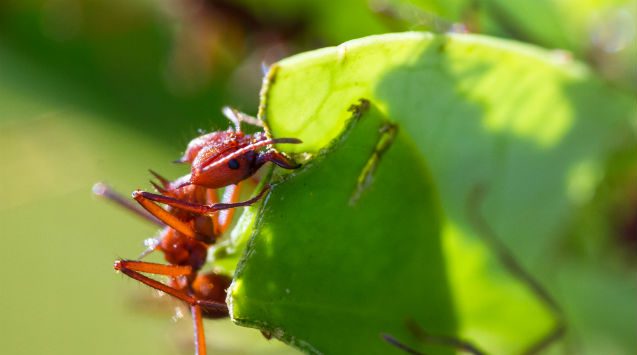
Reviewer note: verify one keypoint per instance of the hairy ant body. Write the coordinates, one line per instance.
(190, 221)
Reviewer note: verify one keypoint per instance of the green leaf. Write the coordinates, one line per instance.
(567, 24)
(329, 288)
(531, 129)
(601, 33)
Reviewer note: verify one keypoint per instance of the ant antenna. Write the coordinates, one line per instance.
(102, 190)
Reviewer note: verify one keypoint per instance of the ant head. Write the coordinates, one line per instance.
(195, 145)
(219, 165)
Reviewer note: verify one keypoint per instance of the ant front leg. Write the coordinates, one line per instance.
(163, 215)
(149, 199)
(224, 218)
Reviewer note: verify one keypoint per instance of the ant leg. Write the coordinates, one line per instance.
(165, 183)
(426, 338)
(163, 215)
(395, 342)
(197, 323)
(224, 218)
(147, 197)
(459, 344)
(103, 190)
(237, 117)
(133, 268)
(505, 256)
(152, 268)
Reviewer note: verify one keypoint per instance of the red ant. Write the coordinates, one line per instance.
(191, 222)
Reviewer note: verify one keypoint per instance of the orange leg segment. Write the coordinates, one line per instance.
(130, 267)
(200, 336)
(147, 197)
(153, 268)
(224, 218)
(161, 214)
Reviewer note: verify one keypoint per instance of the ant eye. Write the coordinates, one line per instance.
(233, 164)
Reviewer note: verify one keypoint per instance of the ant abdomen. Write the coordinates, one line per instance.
(212, 287)
(181, 250)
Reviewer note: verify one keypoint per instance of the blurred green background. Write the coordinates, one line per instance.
(96, 90)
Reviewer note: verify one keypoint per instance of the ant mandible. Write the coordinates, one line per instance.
(190, 222)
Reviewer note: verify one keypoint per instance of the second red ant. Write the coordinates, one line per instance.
(190, 220)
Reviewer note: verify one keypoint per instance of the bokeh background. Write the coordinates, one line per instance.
(97, 90)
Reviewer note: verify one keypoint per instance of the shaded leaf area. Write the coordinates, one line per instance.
(566, 24)
(529, 128)
(599, 32)
(366, 266)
